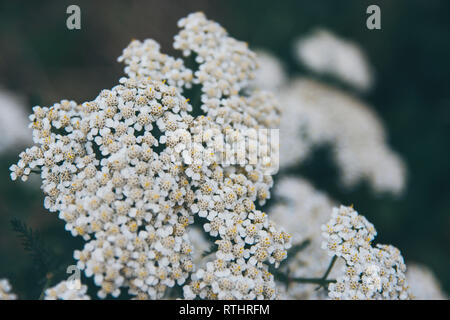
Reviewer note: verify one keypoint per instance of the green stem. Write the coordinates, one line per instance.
(322, 281)
(330, 266)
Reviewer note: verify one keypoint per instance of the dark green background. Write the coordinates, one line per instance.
(44, 61)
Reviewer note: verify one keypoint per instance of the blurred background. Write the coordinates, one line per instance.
(42, 62)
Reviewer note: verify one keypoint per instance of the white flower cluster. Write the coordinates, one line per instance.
(369, 272)
(67, 290)
(5, 290)
(327, 115)
(144, 60)
(324, 52)
(129, 170)
(423, 283)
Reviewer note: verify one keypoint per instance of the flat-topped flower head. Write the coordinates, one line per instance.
(129, 170)
(369, 272)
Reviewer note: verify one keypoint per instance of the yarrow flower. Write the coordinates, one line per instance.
(5, 290)
(130, 170)
(370, 272)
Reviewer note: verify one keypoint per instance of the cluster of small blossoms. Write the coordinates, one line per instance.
(225, 64)
(370, 272)
(67, 290)
(144, 59)
(5, 290)
(247, 238)
(129, 170)
(224, 194)
(225, 280)
(101, 173)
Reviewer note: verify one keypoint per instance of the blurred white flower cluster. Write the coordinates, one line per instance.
(5, 290)
(315, 114)
(423, 283)
(325, 53)
(130, 170)
(13, 122)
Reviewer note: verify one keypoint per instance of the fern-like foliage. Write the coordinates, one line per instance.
(32, 242)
